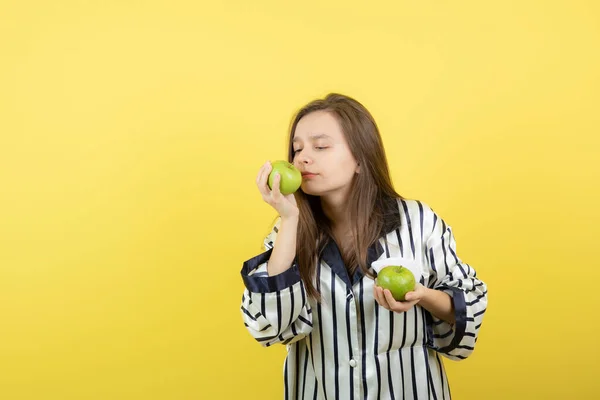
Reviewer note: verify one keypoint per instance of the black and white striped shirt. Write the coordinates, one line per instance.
(349, 347)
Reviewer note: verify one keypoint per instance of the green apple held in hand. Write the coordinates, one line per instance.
(396, 279)
(291, 178)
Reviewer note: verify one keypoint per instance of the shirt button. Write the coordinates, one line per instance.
(352, 363)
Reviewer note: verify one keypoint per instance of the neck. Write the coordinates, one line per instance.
(335, 209)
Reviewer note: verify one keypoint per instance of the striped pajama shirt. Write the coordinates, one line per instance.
(349, 347)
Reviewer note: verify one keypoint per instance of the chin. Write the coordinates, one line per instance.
(310, 191)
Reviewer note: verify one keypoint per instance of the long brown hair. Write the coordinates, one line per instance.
(372, 202)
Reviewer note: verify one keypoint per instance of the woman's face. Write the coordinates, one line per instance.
(322, 154)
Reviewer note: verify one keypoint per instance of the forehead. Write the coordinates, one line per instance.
(318, 124)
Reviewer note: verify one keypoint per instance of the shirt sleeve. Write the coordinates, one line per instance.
(275, 309)
(469, 295)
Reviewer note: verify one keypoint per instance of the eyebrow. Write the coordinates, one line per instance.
(314, 137)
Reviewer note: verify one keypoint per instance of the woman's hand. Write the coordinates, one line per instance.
(285, 205)
(386, 300)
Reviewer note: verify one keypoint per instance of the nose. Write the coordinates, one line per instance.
(303, 158)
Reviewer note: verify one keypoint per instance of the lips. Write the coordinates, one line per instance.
(308, 174)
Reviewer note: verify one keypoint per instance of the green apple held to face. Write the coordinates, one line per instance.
(291, 178)
(397, 279)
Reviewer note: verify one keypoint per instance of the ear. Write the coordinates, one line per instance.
(357, 168)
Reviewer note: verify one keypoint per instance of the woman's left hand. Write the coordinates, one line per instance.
(387, 301)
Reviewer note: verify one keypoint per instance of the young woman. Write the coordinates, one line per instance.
(313, 288)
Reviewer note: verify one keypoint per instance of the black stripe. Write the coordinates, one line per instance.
(441, 369)
(421, 219)
(444, 335)
(248, 313)
(432, 264)
(291, 308)
(286, 389)
(297, 369)
(412, 356)
(279, 327)
(302, 291)
(266, 338)
(286, 341)
(475, 285)
(430, 385)
(335, 338)
(400, 242)
(305, 369)
(323, 369)
(307, 322)
(391, 336)
(465, 347)
(312, 360)
(400, 355)
(387, 248)
(349, 333)
(376, 349)
(447, 271)
(364, 339)
(410, 233)
(389, 368)
(294, 332)
(481, 296)
(457, 261)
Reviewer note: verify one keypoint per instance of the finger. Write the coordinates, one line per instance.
(407, 305)
(265, 174)
(260, 172)
(397, 306)
(389, 299)
(262, 180)
(376, 295)
(410, 296)
(416, 294)
(276, 191)
(383, 298)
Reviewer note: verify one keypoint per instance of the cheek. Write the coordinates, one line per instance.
(344, 173)
(347, 166)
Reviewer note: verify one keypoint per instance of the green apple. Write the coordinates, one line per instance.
(291, 178)
(397, 279)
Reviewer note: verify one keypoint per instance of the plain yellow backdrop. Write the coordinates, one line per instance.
(131, 133)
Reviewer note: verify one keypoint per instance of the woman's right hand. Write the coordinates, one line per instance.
(285, 205)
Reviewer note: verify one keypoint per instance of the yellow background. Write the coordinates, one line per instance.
(131, 133)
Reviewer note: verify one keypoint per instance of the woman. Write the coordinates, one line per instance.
(313, 288)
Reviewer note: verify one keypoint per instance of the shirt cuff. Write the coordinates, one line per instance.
(268, 284)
